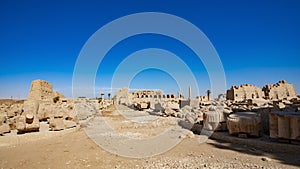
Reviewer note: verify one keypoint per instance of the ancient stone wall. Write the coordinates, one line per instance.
(280, 90)
(40, 90)
(123, 96)
(43, 106)
(244, 92)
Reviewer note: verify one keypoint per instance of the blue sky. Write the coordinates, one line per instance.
(258, 42)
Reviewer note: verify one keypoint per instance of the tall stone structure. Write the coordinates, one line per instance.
(123, 96)
(280, 90)
(40, 90)
(244, 92)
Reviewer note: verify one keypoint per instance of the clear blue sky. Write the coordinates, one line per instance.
(258, 41)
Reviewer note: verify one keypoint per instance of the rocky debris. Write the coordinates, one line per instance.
(27, 123)
(142, 105)
(170, 112)
(104, 104)
(42, 105)
(173, 105)
(210, 162)
(85, 108)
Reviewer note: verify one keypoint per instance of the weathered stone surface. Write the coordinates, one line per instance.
(85, 108)
(285, 125)
(57, 124)
(4, 128)
(26, 123)
(40, 90)
(244, 92)
(190, 117)
(273, 122)
(173, 105)
(280, 90)
(123, 97)
(142, 105)
(69, 124)
(158, 107)
(212, 119)
(170, 112)
(29, 118)
(31, 107)
(34, 126)
(244, 122)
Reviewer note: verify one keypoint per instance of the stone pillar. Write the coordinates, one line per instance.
(190, 92)
(102, 96)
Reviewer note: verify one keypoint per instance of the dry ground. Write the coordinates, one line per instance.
(73, 149)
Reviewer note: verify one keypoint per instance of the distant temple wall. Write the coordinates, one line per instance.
(280, 90)
(244, 92)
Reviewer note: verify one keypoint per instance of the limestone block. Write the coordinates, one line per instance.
(69, 123)
(273, 122)
(57, 124)
(212, 119)
(31, 107)
(4, 128)
(170, 112)
(142, 105)
(3, 119)
(45, 111)
(27, 123)
(295, 127)
(40, 90)
(244, 123)
(20, 126)
(285, 125)
(173, 105)
(33, 126)
(158, 107)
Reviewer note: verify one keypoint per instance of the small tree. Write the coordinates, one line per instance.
(108, 96)
(208, 92)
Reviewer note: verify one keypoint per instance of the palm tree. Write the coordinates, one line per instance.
(108, 96)
(208, 92)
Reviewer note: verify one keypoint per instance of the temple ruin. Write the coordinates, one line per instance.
(246, 111)
(280, 90)
(244, 92)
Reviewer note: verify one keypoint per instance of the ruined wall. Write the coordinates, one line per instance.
(148, 95)
(203, 98)
(40, 90)
(280, 90)
(43, 106)
(123, 96)
(244, 92)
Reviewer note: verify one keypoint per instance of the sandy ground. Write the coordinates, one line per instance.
(74, 149)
